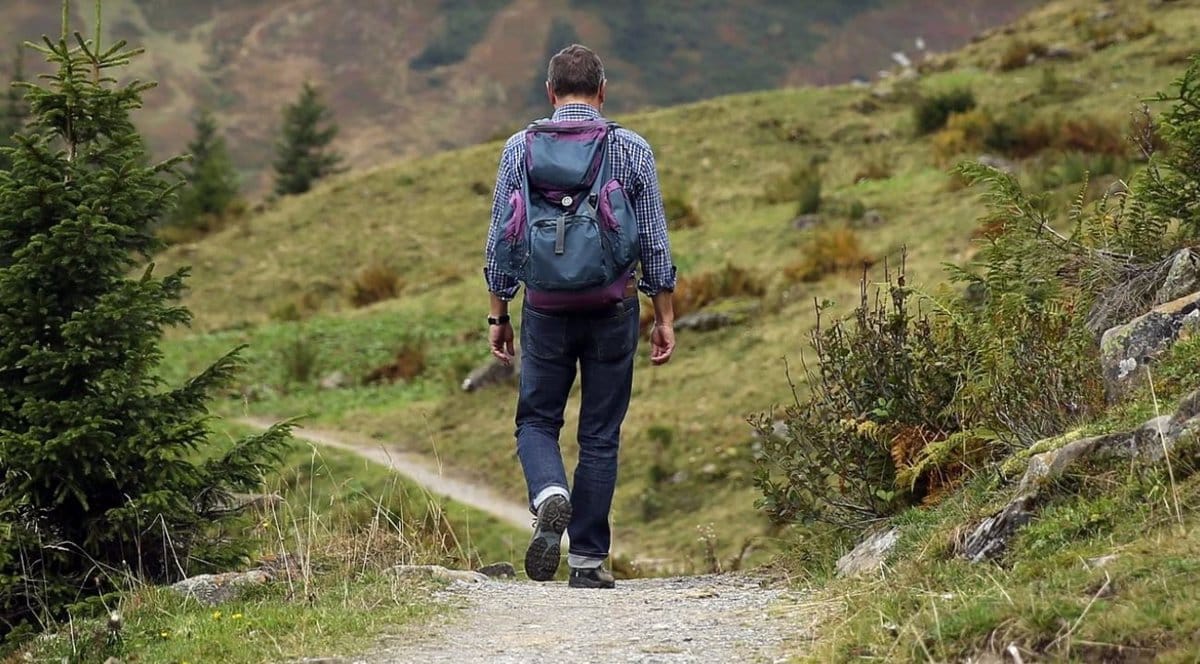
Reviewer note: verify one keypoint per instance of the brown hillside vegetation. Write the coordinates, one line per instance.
(416, 77)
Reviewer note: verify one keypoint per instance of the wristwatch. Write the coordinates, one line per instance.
(498, 321)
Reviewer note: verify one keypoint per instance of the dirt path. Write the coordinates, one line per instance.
(415, 467)
(686, 620)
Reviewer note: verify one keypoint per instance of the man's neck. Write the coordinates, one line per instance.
(578, 100)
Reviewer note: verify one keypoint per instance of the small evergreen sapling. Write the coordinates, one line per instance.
(303, 155)
(212, 184)
(104, 470)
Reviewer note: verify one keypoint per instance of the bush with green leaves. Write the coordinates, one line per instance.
(931, 112)
(106, 473)
(903, 404)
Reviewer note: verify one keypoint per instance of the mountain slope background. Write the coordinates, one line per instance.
(281, 281)
(417, 77)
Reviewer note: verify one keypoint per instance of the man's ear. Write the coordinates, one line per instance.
(603, 91)
(550, 95)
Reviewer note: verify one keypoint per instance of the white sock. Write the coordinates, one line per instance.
(547, 492)
(583, 562)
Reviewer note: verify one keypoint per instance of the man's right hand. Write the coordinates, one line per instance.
(662, 344)
(501, 339)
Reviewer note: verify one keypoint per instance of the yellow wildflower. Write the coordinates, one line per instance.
(236, 616)
(216, 615)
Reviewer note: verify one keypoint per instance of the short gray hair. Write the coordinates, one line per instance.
(575, 71)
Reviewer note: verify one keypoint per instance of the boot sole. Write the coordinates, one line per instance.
(542, 556)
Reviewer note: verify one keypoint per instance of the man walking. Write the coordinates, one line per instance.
(577, 203)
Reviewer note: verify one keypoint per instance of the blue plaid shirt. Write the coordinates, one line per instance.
(632, 163)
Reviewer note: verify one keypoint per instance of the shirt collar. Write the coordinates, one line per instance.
(575, 111)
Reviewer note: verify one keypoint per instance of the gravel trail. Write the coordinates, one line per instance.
(685, 620)
(416, 467)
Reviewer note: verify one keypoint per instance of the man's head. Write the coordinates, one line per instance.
(576, 75)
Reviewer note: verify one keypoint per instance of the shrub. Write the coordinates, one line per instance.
(408, 363)
(829, 251)
(299, 361)
(801, 185)
(964, 132)
(374, 283)
(930, 113)
(696, 292)
(1020, 54)
(879, 380)
(680, 213)
(876, 165)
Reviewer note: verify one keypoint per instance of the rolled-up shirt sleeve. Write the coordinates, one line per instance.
(658, 270)
(502, 285)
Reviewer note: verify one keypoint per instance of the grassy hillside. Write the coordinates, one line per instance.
(280, 281)
(417, 77)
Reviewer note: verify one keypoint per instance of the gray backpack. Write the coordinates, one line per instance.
(569, 233)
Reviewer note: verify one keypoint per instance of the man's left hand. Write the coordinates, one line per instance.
(501, 339)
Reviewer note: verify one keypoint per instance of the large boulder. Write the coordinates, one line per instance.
(1183, 277)
(1126, 349)
(1149, 443)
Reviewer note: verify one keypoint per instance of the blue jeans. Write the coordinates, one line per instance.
(602, 344)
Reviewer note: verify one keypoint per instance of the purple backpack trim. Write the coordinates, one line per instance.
(598, 298)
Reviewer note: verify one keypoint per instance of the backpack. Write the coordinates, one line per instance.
(569, 233)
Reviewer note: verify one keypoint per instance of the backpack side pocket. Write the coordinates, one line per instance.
(616, 214)
(512, 248)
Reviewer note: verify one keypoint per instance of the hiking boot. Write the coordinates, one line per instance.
(541, 558)
(591, 577)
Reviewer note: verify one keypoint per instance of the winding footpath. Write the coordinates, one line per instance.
(681, 620)
(415, 467)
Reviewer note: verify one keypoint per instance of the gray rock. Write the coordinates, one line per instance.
(334, 381)
(498, 571)
(868, 557)
(806, 221)
(1182, 279)
(213, 589)
(1148, 443)
(871, 218)
(492, 373)
(437, 572)
(999, 163)
(702, 321)
(989, 539)
(1126, 349)
(1060, 52)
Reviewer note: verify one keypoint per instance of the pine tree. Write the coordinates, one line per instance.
(13, 111)
(303, 155)
(211, 180)
(104, 469)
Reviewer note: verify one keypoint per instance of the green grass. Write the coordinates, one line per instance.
(426, 219)
(344, 522)
(268, 624)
